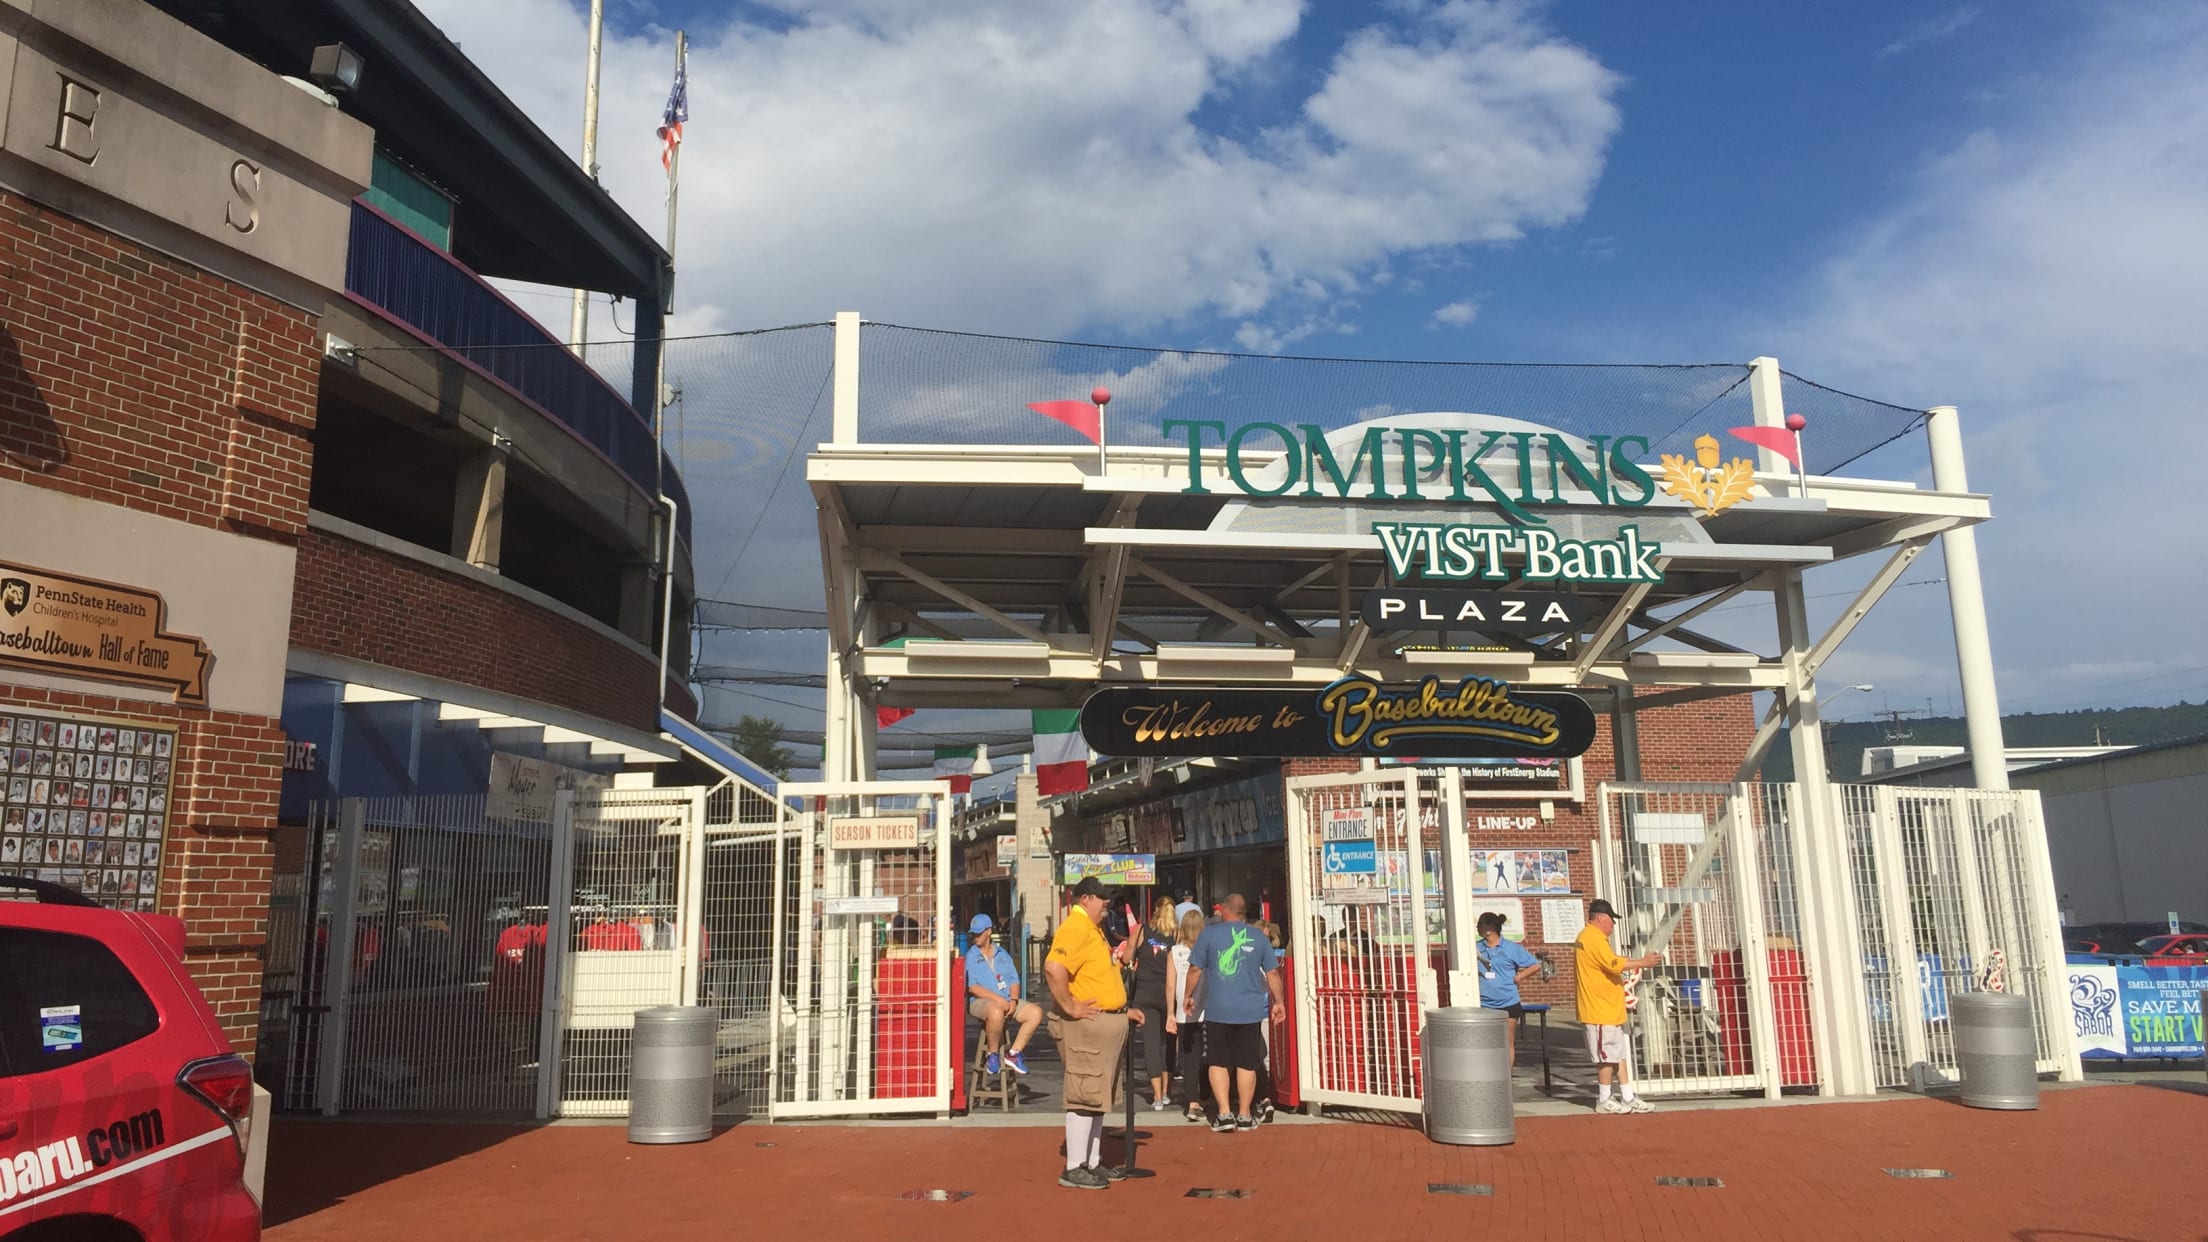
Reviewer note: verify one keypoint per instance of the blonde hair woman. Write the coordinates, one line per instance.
(1149, 953)
(1187, 1027)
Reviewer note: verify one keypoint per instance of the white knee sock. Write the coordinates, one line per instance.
(1625, 1090)
(1602, 1092)
(1096, 1140)
(1077, 1140)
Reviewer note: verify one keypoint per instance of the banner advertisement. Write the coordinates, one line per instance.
(1112, 869)
(2136, 1011)
(524, 788)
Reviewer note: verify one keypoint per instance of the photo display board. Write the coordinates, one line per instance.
(84, 802)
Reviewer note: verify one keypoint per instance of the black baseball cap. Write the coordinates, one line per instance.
(1600, 906)
(1089, 886)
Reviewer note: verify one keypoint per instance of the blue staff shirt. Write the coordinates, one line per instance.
(996, 972)
(1499, 966)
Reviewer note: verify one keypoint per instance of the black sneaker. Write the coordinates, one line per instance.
(1264, 1111)
(1225, 1125)
(1196, 1115)
(1083, 1179)
(1109, 1172)
(1245, 1123)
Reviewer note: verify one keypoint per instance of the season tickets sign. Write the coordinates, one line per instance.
(1472, 718)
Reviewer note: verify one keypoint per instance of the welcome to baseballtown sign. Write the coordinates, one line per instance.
(1475, 718)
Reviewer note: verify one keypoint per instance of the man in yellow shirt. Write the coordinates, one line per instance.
(1088, 1020)
(1599, 990)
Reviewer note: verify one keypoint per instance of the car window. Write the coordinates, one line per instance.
(65, 999)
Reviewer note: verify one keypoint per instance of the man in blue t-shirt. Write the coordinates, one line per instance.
(1239, 973)
(993, 981)
(1503, 964)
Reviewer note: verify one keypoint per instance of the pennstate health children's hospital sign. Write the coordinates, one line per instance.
(1515, 468)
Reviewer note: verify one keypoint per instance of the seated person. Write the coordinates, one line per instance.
(993, 981)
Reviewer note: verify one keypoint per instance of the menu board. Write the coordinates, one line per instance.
(84, 802)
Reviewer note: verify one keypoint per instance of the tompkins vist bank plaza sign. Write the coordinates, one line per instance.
(1516, 469)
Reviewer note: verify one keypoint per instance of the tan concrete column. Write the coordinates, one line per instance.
(479, 508)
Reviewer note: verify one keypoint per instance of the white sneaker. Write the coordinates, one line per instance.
(1613, 1105)
(1639, 1105)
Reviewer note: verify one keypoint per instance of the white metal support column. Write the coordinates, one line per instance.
(844, 399)
(1457, 885)
(1966, 602)
(1825, 974)
(1825, 886)
(1769, 406)
(1971, 880)
(557, 990)
(337, 966)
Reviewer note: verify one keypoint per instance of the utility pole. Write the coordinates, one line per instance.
(578, 320)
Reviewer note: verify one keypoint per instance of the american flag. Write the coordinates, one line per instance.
(676, 112)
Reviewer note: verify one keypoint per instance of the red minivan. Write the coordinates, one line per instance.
(123, 1111)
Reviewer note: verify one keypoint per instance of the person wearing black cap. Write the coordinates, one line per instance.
(1088, 1021)
(1599, 990)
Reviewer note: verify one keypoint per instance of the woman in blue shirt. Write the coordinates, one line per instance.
(1504, 964)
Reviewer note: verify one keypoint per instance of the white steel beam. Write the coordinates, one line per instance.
(1598, 645)
(1860, 607)
(877, 560)
(1208, 600)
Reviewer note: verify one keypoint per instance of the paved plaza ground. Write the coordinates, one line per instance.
(2081, 1169)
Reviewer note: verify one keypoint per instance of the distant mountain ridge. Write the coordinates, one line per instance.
(2118, 726)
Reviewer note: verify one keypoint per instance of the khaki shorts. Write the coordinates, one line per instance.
(1609, 1045)
(1090, 1048)
(980, 1009)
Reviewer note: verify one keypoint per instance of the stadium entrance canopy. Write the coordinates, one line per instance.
(1279, 522)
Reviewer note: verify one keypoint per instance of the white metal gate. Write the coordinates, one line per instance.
(871, 1014)
(1689, 867)
(1943, 879)
(1364, 870)
(617, 939)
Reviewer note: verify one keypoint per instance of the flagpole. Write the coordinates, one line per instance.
(659, 400)
(578, 320)
(1102, 396)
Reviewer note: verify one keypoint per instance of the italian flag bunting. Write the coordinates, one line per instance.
(1061, 755)
(956, 765)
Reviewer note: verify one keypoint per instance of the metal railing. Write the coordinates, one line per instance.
(394, 271)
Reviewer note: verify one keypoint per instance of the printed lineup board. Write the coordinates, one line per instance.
(84, 802)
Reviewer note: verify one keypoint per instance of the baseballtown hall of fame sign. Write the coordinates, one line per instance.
(54, 622)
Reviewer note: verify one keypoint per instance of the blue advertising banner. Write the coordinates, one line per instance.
(1351, 857)
(2137, 1011)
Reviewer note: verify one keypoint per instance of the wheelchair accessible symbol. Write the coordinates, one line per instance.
(1350, 857)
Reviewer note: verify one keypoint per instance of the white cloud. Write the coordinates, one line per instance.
(2045, 275)
(1002, 165)
(1932, 30)
(1457, 314)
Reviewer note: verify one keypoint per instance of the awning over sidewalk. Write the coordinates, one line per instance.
(714, 753)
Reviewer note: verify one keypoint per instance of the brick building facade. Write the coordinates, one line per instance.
(158, 388)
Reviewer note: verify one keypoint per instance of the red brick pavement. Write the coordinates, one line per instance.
(2070, 1172)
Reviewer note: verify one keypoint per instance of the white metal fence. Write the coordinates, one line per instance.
(1361, 849)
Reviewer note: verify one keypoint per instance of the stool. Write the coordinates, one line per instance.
(1006, 1091)
(1542, 1012)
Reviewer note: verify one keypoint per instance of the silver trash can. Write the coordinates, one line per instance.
(1468, 1093)
(671, 1075)
(1995, 1050)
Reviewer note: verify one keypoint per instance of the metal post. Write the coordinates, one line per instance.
(578, 326)
(844, 399)
(2031, 824)
(1457, 885)
(1966, 602)
(337, 968)
(1890, 860)
(558, 897)
(1755, 940)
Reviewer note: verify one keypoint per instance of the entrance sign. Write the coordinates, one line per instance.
(898, 833)
(1474, 718)
(60, 623)
(1351, 857)
(1493, 612)
(1111, 869)
(1457, 550)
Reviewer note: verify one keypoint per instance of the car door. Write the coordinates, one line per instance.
(77, 1090)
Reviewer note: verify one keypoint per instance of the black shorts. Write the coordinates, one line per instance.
(1236, 1045)
(1515, 1011)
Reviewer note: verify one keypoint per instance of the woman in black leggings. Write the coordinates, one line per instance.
(1152, 966)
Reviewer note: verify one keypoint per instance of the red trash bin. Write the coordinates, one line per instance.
(1287, 1088)
(1789, 1015)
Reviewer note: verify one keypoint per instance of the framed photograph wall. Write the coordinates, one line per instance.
(84, 802)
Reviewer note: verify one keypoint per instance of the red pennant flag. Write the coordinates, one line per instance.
(884, 717)
(1778, 439)
(1079, 415)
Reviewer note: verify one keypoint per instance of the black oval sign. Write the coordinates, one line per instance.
(1474, 718)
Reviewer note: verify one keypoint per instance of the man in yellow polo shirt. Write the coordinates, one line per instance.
(1599, 990)
(1088, 1021)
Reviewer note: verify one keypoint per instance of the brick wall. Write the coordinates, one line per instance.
(135, 379)
(353, 600)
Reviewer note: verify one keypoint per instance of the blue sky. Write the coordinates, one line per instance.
(1999, 206)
